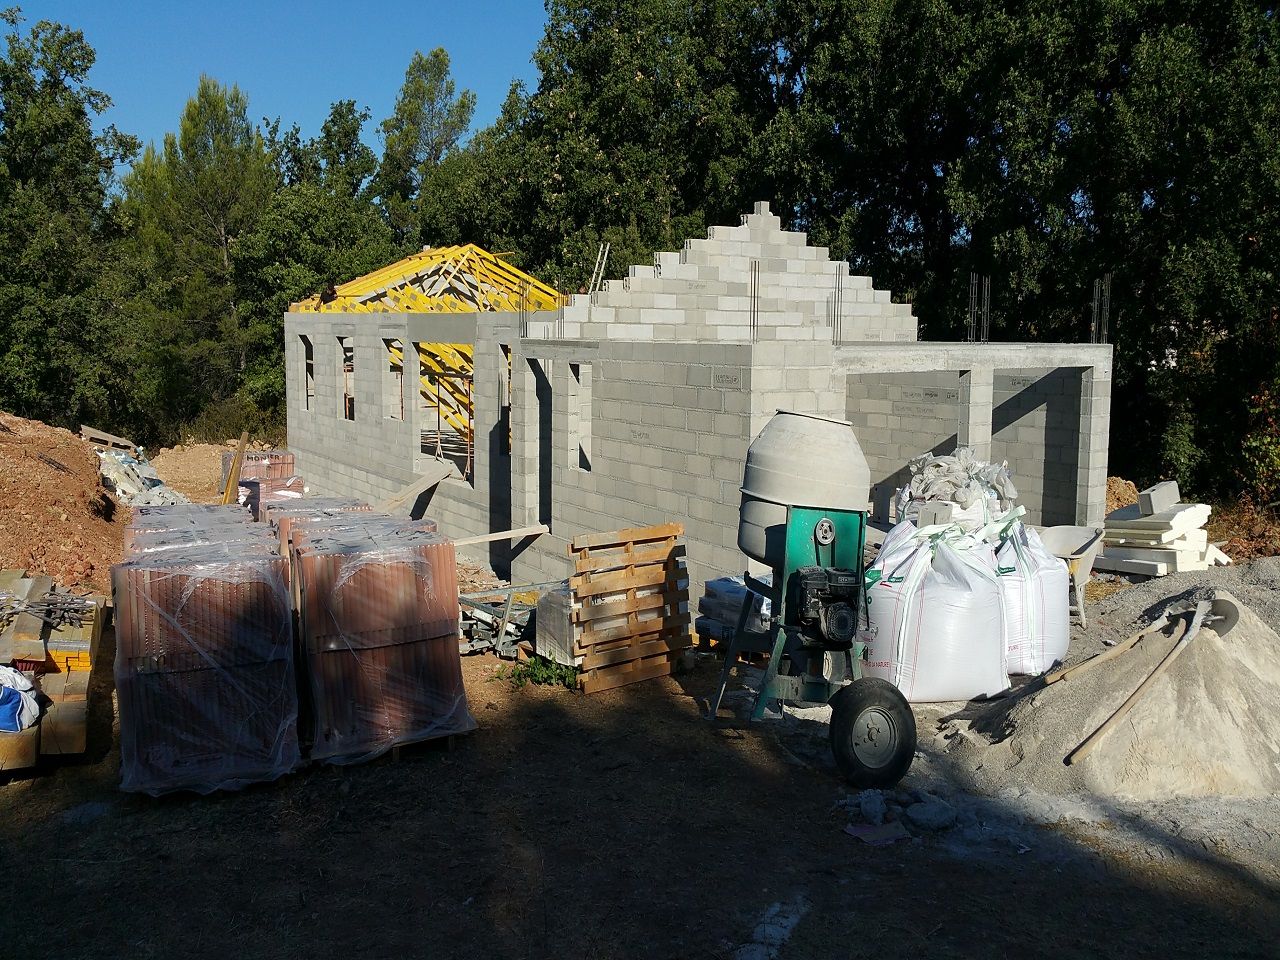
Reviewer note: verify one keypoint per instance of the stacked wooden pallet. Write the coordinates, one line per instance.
(378, 619)
(58, 656)
(1158, 535)
(629, 595)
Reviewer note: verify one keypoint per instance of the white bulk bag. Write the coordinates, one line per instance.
(1033, 583)
(934, 624)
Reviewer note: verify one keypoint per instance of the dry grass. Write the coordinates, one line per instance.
(1250, 531)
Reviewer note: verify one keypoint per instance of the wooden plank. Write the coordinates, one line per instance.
(649, 554)
(28, 629)
(20, 750)
(617, 581)
(64, 728)
(603, 611)
(640, 631)
(619, 538)
(233, 474)
(598, 636)
(518, 533)
(616, 677)
(663, 644)
(408, 495)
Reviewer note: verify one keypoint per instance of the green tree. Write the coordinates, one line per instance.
(429, 121)
(55, 173)
(191, 203)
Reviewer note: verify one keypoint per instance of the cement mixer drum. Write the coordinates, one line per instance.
(799, 460)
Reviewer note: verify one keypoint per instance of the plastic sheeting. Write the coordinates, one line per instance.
(1034, 585)
(204, 670)
(722, 603)
(378, 611)
(934, 617)
(19, 707)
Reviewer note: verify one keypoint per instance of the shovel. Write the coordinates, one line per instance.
(1219, 614)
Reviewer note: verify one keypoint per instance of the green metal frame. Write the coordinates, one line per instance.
(801, 549)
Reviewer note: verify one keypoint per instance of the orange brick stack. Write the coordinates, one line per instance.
(204, 656)
(378, 614)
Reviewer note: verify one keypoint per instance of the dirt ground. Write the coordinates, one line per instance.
(55, 520)
(195, 469)
(621, 825)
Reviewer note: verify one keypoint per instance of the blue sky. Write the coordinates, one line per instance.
(292, 59)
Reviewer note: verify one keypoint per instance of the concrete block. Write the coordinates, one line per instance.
(1158, 498)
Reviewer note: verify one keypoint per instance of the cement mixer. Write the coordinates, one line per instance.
(805, 491)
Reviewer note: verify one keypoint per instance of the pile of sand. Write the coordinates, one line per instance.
(1210, 726)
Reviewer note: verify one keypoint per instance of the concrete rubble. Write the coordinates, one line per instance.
(134, 481)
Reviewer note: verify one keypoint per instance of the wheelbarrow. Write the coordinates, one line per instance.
(1077, 547)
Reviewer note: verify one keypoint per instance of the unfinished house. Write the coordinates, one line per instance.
(634, 404)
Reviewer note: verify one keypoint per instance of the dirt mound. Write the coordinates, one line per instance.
(58, 521)
(193, 470)
(1210, 726)
(1120, 493)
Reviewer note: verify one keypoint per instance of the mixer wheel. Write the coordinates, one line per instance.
(873, 733)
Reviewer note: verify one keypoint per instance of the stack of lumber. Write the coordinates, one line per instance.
(629, 605)
(58, 656)
(1158, 535)
(204, 653)
(378, 617)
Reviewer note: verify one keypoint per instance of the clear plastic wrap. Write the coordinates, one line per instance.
(280, 514)
(254, 538)
(259, 465)
(378, 612)
(192, 518)
(204, 670)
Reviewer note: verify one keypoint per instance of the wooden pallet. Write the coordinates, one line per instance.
(630, 597)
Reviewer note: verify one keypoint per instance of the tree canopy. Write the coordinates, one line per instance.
(1043, 144)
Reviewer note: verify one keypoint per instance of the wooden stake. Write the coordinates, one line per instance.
(233, 476)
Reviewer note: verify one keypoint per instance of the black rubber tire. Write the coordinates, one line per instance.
(893, 718)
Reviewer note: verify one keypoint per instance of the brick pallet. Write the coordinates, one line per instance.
(630, 605)
(378, 618)
(204, 669)
(259, 465)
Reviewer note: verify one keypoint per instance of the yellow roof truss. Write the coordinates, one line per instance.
(459, 279)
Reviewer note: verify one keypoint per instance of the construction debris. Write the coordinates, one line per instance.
(134, 481)
(48, 644)
(976, 491)
(1158, 536)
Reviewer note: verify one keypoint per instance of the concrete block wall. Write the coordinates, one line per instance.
(669, 427)
(674, 381)
(1034, 426)
(899, 416)
(753, 282)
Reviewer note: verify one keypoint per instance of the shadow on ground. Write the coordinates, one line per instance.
(621, 825)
